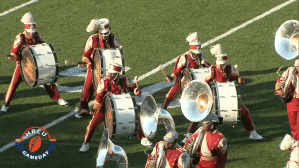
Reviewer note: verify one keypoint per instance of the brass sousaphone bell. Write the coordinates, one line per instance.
(151, 116)
(286, 42)
(108, 151)
(196, 100)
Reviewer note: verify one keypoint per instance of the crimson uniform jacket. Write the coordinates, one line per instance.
(21, 40)
(174, 158)
(212, 151)
(228, 73)
(187, 61)
(94, 41)
(121, 85)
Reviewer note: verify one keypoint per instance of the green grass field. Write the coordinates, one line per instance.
(152, 33)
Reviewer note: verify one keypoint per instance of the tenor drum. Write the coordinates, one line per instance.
(190, 74)
(121, 117)
(227, 102)
(38, 64)
(101, 61)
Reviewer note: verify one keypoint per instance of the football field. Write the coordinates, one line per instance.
(153, 34)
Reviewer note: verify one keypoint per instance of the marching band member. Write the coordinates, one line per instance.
(211, 148)
(223, 72)
(104, 39)
(29, 37)
(290, 79)
(115, 84)
(173, 156)
(292, 145)
(191, 59)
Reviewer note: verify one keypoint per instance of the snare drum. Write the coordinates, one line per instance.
(227, 102)
(102, 58)
(121, 117)
(38, 64)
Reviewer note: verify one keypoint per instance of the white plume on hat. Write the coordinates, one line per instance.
(192, 37)
(287, 142)
(93, 25)
(28, 18)
(294, 154)
(216, 49)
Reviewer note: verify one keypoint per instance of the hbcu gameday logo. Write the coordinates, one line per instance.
(39, 134)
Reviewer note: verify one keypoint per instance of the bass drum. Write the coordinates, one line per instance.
(121, 116)
(190, 74)
(102, 58)
(227, 102)
(38, 64)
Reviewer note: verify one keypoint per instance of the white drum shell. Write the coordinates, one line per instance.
(46, 63)
(124, 112)
(228, 102)
(199, 74)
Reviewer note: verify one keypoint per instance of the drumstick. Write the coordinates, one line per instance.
(204, 62)
(136, 81)
(236, 67)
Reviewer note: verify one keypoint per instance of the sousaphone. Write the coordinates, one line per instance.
(286, 42)
(196, 100)
(108, 151)
(151, 116)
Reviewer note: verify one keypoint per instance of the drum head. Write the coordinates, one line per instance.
(109, 115)
(96, 68)
(28, 67)
(186, 78)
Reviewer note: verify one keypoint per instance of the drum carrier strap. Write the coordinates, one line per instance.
(110, 41)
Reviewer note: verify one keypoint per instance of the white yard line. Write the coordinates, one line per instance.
(219, 37)
(18, 7)
(169, 62)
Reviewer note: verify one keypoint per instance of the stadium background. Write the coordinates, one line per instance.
(152, 33)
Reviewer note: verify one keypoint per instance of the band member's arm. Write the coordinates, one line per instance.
(99, 97)
(88, 49)
(39, 38)
(177, 69)
(280, 83)
(210, 75)
(204, 62)
(184, 160)
(115, 42)
(133, 87)
(15, 50)
(234, 75)
(152, 159)
(221, 153)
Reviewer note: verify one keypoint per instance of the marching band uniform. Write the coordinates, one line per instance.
(292, 145)
(228, 73)
(120, 84)
(24, 39)
(175, 157)
(212, 147)
(101, 39)
(293, 104)
(191, 59)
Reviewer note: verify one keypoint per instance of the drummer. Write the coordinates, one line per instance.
(29, 37)
(115, 84)
(191, 59)
(104, 39)
(224, 72)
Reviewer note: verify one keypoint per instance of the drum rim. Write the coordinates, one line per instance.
(108, 95)
(56, 61)
(35, 62)
(216, 99)
(92, 67)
